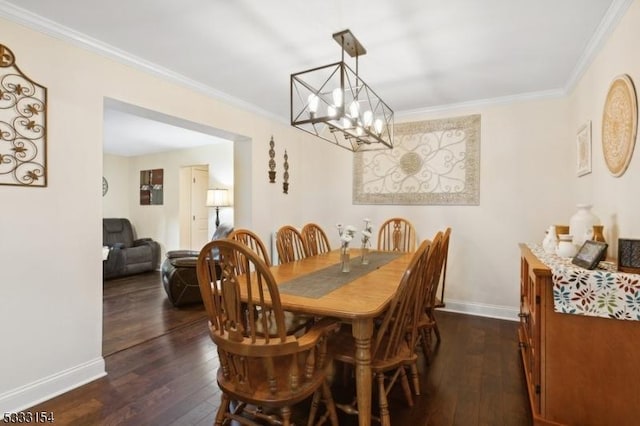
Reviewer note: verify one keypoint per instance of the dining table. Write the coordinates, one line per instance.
(317, 285)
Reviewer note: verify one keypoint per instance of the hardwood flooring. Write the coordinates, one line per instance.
(475, 377)
(136, 309)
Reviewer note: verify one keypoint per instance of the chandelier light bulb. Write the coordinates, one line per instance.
(359, 131)
(368, 118)
(337, 97)
(377, 126)
(313, 103)
(331, 111)
(354, 109)
(346, 122)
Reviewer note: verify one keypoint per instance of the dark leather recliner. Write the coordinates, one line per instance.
(179, 276)
(127, 255)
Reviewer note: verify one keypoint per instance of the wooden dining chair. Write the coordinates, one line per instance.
(430, 277)
(314, 239)
(445, 247)
(394, 340)
(253, 241)
(432, 302)
(397, 234)
(294, 322)
(289, 244)
(259, 371)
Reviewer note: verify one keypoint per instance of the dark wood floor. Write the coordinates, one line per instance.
(475, 377)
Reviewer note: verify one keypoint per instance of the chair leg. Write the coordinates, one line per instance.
(314, 408)
(330, 404)
(382, 400)
(425, 334)
(415, 378)
(222, 410)
(404, 381)
(285, 412)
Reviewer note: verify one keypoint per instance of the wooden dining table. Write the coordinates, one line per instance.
(361, 295)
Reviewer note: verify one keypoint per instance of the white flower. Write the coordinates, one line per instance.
(350, 229)
(366, 234)
(346, 238)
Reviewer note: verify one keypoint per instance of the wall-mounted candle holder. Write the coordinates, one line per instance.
(285, 176)
(272, 162)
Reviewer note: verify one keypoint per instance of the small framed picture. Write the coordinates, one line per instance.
(583, 149)
(590, 254)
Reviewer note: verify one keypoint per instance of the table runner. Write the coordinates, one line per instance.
(323, 281)
(601, 292)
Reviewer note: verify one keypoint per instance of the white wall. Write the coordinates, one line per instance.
(51, 313)
(162, 222)
(116, 201)
(616, 200)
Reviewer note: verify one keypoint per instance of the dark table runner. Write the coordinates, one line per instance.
(316, 284)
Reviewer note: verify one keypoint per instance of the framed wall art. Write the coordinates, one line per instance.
(433, 162)
(23, 126)
(583, 149)
(619, 124)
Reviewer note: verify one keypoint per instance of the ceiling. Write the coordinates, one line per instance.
(421, 54)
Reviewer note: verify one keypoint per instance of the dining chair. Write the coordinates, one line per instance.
(432, 300)
(289, 244)
(445, 247)
(259, 372)
(431, 277)
(314, 239)
(394, 340)
(253, 241)
(397, 234)
(294, 322)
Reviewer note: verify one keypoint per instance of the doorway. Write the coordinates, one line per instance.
(194, 214)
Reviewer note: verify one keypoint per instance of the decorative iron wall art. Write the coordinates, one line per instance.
(23, 118)
(433, 162)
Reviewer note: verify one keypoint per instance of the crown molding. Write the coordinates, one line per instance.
(483, 103)
(608, 23)
(61, 32)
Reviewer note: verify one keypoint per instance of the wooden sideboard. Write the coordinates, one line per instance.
(580, 370)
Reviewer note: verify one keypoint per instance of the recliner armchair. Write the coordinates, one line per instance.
(179, 276)
(127, 255)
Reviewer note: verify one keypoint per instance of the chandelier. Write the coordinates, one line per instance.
(335, 104)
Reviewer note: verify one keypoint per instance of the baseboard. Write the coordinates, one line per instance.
(482, 310)
(41, 390)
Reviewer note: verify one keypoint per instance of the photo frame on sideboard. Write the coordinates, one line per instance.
(590, 254)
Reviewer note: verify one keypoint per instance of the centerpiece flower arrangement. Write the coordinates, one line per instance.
(366, 240)
(347, 233)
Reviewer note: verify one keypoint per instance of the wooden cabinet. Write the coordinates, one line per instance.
(580, 370)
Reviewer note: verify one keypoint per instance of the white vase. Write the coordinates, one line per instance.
(550, 241)
(581, 224)
(566, 248)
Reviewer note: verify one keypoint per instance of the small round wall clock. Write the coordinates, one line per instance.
(619, 124)
(105, 186)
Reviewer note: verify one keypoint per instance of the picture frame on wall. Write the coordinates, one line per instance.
(583, 149)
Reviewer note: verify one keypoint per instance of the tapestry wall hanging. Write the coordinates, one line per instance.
(433, 162)
(23, 117)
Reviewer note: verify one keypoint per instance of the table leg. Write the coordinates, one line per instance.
(362, 330)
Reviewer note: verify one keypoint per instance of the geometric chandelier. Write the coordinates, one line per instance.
(335, 104)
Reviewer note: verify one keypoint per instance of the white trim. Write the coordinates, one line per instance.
(61, 32)
(608, 23)
(44, 389)
(22, 16)
(482, 310)
(547, 94)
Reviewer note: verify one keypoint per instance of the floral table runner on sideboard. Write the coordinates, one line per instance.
(601, 292)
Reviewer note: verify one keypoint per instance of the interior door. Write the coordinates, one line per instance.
(199, 211)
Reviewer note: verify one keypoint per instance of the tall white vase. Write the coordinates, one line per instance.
(581, 223)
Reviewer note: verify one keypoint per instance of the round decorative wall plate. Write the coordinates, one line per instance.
(619, 124)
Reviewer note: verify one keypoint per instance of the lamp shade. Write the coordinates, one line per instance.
(217, 197)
